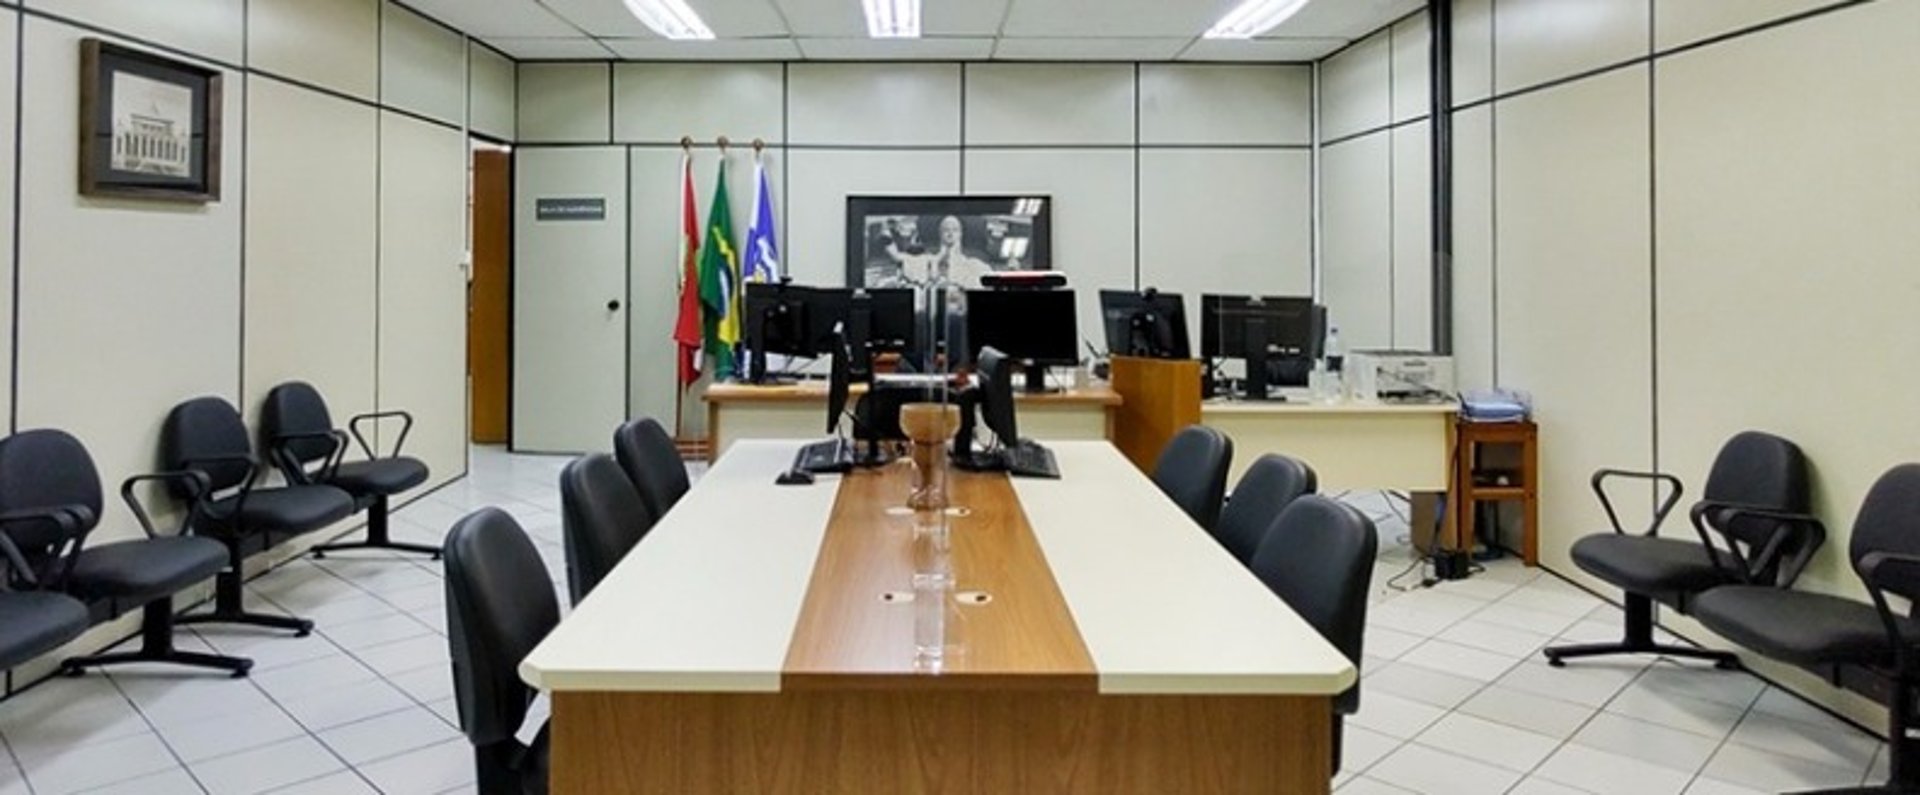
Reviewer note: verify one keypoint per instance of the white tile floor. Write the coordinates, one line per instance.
(1456, 699)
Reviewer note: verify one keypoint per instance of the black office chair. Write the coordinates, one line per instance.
(602, 517)
(46, 472)
(299, 436)
(652, 462)
(33, 621)
(500, 605)
(1318, 558)
(1753, 470)
(1865, 647)
(1268, 487)
(207, 436)
(1192, 469)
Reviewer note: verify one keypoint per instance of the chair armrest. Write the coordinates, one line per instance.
(1750, 568)
(295, 471)
(17, 563)
(197, 486)
(246, 482)
(73, 522)
(1899, 573)
(406, 427)
(1599, 484)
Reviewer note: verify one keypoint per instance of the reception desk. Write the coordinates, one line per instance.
(750, 644)
(799, 411)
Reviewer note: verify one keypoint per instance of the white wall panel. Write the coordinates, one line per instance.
(1542, 40)
(126, 307)
(1412, 237)
(1049, 104)
(1473, 262)
(1092, 194)
(1356, 221)
(1225, 221)
(1355, 94)
(819, 183)
(660, 102)
(423, 67)
(423, 290)
(1473, 50)
(335, 43)
(1574, 288)
(310, 245)
(874, 104)
(491, 93)
(1805, 262)
(1677, 22)
(1222, 104)
(212, 28)
(1411, 51)
(564, 102)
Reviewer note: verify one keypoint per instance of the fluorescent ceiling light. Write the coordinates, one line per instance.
(892, 19)
(670, 18)
(1252, 18)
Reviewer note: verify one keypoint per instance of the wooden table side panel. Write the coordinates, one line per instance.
(913, 742)
(848, 637)
(1407, 452)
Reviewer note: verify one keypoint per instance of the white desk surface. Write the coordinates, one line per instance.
(710, 599)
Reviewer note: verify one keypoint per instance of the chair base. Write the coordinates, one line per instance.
(1639, 640)
(377, 537)
(156, 646)
(228, 610)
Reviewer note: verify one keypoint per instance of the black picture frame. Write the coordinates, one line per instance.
(149, 125)
(896, 241)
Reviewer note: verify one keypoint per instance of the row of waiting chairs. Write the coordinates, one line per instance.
(500, 600)
(55, 583)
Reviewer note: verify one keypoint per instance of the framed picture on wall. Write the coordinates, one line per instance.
(149, 125)
(912, 241)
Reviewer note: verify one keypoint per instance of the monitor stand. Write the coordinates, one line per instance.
(1253, 385)
(757, 356)
(1037, 378)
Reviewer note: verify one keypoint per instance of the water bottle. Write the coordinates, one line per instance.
(1333, 354)
(1330, 388)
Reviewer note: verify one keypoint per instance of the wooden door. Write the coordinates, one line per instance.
(489, 303)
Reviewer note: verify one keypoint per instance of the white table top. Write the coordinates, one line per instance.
(709, 601)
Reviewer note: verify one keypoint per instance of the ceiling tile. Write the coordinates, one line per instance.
(1261, 50)
(496, 17)
(1142, 49)
(967, 18)
(779, 49)
(727, 18)
(831, 19)
(1115, 18)
(577, 47)
(897, 49)
(1346, 19)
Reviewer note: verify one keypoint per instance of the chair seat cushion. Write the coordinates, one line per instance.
(1799, 627)
(1660, 567)
(35, 622)
(145, 569)
(293, 509)
(381, 476)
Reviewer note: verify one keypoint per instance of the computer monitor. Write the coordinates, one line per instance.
(1037, 328)
(995, 373)
(1277, 336)
(776, 320)
(1148, 324)
(839, 379)
(872, 320)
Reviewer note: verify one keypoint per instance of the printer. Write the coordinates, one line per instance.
(1391, 376)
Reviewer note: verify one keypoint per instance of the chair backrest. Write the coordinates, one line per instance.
(1761, 470)
(1889, 521)
(500, 604)
(1193, 471)
(1318, 558)
(201, 429)
(652, 462)
(295, 407)
(1268, 487)
(41, 469)
(602, 518)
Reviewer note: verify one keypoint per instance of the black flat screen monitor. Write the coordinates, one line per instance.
(776, 322)
(1277, 336)
(1037, 327)
(1148, 324)
(890, 325)
(840, 380)
(995, 372)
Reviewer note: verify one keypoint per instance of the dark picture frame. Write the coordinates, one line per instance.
(149, 125)
(897, 241)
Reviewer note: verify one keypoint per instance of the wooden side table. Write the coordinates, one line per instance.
(1520, 484)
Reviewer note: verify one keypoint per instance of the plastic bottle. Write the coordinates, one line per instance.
(1332, 352)
(1335, 360)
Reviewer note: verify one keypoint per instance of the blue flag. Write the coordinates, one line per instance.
(762, 260)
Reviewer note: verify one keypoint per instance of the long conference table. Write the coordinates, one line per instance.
(752, 643)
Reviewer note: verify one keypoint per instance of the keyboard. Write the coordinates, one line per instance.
(830, 456)
(1029, 460)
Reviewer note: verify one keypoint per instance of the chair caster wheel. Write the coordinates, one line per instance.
(240, 674)
(319, 555)
(303, 632)
(1727, 665)
(1556, 662)
(73, 672)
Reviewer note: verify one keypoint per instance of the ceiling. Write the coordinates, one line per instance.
(952, 30)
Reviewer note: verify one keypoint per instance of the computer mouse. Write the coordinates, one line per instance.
(794, 477)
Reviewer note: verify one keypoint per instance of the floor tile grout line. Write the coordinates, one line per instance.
(1728, 740)
(157, 735)
(18, 765)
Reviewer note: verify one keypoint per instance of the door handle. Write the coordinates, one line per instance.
(613, 305)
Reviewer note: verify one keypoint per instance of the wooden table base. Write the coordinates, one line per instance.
(938, 741)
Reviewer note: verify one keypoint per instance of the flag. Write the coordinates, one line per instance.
(720, 281)
(763, 253)
(686, 328)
